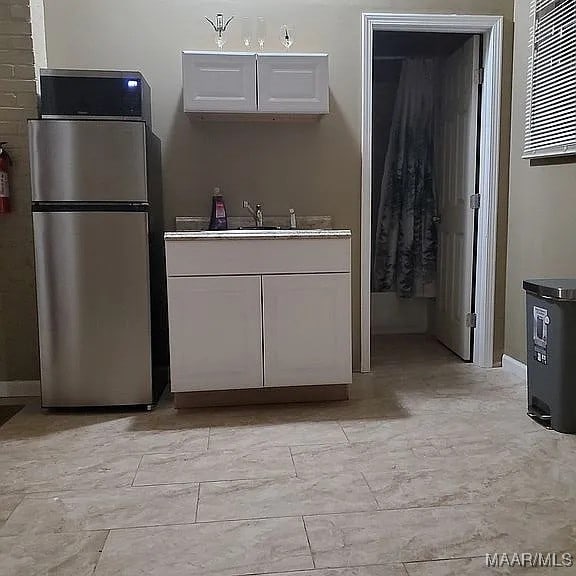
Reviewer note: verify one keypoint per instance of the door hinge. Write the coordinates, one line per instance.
(475, 201)
(479, 76)
(471, 320)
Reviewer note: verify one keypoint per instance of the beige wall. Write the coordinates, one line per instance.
(18, 339)
(313, 168)
(541, 238)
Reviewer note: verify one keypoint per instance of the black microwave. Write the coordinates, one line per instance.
(94, 94)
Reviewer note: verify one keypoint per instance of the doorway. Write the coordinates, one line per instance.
(389, 41)
(425, 98)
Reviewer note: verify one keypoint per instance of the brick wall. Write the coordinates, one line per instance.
(18, 324)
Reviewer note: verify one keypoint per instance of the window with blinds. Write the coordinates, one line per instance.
(551, 106)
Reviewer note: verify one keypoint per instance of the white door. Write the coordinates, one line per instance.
(456, 183)
(293, 83)
(307, 329)
(215, 332)
(219, 82)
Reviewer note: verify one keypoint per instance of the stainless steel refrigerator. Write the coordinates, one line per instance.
(100, 268)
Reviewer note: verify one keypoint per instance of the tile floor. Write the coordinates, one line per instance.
(430, 465)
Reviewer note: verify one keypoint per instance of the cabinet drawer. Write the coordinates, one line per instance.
(242, 257)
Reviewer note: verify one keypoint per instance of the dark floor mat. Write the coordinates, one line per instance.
(6, 412)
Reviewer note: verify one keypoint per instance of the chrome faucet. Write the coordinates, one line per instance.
(256, 214)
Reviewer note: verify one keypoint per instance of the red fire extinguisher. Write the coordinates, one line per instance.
(5, 163)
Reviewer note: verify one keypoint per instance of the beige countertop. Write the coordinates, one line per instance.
(256, 234)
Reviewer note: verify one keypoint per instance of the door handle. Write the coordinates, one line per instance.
(436, 219)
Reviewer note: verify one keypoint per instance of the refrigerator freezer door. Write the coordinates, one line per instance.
(92, 280)
(88, 160)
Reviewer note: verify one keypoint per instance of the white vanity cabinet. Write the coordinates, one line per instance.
(216, 83)
(219, 82)
(259, 310)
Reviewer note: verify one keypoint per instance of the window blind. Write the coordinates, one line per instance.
(551, 104)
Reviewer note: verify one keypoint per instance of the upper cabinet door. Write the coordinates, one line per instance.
(219, 82)
(293, 83)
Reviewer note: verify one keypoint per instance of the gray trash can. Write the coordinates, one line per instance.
(551, 335)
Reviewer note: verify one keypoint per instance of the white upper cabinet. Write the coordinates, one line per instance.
(219, 82)
(293, 83)
(239, 82)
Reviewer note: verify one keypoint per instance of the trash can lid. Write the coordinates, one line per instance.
(555, 288)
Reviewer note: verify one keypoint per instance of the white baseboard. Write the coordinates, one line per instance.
(514, 367)
(14, 388)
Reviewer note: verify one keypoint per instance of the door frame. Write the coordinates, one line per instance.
(492, 30)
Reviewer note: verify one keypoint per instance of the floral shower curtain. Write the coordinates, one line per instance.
(405, 246)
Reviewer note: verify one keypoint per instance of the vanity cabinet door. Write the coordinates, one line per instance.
(215, 332)
(293, 83)
(307, 329)
(219, 82)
